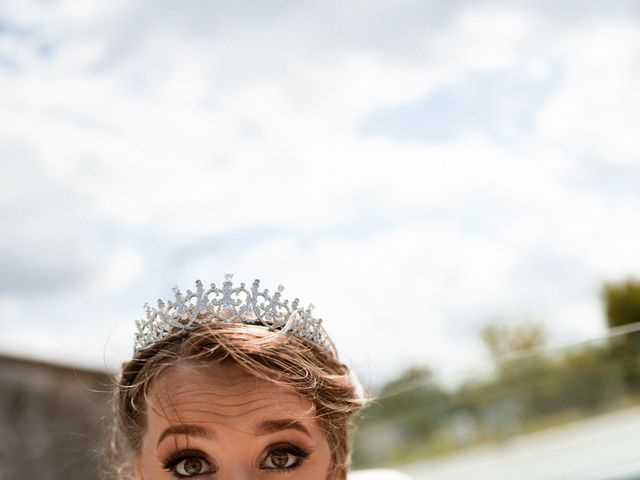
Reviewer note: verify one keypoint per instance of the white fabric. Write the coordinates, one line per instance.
(378, 474)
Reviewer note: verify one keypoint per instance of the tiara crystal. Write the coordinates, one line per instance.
(229, 304)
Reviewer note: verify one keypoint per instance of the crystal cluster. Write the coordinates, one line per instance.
(229, 304)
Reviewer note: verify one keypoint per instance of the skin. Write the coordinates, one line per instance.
(243, 429)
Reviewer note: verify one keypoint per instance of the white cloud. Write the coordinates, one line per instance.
(146, 145)
(595, 111)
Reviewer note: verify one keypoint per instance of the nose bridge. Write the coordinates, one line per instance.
(238, 475)
(237, 457)
(240, 471)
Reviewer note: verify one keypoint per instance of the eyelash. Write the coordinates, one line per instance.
(172, 462)
(301, 454)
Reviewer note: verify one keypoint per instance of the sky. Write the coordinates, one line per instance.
(415, 169)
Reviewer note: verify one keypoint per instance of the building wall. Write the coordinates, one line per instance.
(53, 420)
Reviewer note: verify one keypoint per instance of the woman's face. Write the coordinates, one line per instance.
(219, 423)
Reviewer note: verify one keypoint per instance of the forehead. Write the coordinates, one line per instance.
(221, 394)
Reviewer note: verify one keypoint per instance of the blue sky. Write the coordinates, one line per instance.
(414, 169)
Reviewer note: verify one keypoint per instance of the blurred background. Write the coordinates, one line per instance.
(454, 185)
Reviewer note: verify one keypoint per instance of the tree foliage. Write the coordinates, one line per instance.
(502, 339)
(622, 302)
(622, 307)
(531, 388)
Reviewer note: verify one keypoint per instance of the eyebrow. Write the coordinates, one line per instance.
(273, 426)
(193, 430)
(264, 428)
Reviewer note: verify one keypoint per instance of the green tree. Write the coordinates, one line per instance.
(622, 302)
(503, 340)
(522, 369)
(404, 416)
(622, 307)
(408, 379)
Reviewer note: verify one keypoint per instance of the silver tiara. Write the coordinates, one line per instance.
(229, 304)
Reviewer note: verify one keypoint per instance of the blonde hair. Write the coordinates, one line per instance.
(285, 360)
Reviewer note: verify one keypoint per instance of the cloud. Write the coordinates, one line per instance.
(414, 169)
(598, 119)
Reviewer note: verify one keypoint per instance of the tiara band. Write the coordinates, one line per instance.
(229, 304)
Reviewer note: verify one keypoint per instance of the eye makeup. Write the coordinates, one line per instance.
(172, 462)
(280, 457)
(293, 456)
